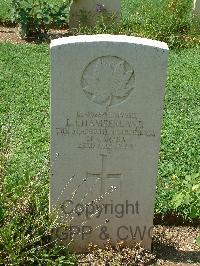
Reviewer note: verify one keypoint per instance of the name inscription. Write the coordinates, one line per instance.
(104, 130)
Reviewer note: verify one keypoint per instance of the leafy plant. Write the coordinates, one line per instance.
(189, 195)
(36, 16)
(170, 21)
(25, 220)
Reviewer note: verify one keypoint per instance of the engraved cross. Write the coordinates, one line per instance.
(103, 175)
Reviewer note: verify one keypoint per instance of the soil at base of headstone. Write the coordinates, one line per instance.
(11, 35)
(171, 246)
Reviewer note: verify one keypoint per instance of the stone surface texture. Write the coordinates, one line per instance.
(85, 12)
(196, 10)
(107, 96)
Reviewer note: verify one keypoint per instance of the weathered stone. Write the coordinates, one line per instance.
(196, 10)
(106, 111)
(85, 12)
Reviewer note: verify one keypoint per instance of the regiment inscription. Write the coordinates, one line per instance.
(104, 130)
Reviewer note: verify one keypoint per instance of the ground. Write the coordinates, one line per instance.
(11, 34)
(176, 245)
(171, 246)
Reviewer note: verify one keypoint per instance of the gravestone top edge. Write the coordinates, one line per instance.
(108, 38)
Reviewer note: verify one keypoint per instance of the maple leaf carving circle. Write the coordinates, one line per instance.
(108, 80)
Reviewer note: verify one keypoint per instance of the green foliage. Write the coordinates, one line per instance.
(25, 223)
(5, 12)
(36, 16)
(188, 195)
(179, 153)
(24, 139)
(104, 25)
(24, 122)
(165, 20)
(170, 21)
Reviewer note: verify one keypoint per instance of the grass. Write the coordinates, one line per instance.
(24, 137)
(24, 134)
(5, 12)
(179, 154)
(25, 121)
(26, 117)
(24, 184)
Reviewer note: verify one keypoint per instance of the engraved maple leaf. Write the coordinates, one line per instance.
(108, 82)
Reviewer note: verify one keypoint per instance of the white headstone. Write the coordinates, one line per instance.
(196, 10)
(106, 110)
(85, 12)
